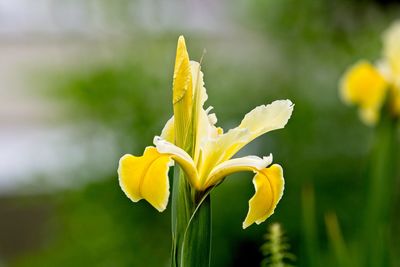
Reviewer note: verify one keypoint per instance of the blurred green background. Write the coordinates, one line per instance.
(84, 82)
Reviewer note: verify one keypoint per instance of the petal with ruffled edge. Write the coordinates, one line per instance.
(266, 118)
(269, 186)
(259, 121)
(146, 177)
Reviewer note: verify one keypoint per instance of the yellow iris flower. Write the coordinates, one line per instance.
(369, 86)
(202, 150)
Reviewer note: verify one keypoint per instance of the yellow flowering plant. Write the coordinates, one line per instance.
(372, 86)
(203, 154)
(375, 88)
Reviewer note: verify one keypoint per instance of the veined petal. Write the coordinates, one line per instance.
(248, 163)
(182, 96)
(220, 149)
(259, 121)
(146, 177)
(182, 84)
(266, 118)
(180, 156)
(269, 185)
(203, 122)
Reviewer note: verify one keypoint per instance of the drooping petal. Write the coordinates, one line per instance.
(269, 185)
(180, 156)
(146, 177)
(248, 163)
(365, 86)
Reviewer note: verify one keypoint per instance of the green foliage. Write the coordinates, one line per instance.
(276, 248)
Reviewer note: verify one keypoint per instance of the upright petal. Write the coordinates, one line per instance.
(146, 177)
(269, 185)
(182, 96)
(391, 47)
(168, 132)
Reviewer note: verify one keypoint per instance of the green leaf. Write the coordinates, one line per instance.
(196, 248)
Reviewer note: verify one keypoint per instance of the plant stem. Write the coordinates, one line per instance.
(191, 224)
(379, 202)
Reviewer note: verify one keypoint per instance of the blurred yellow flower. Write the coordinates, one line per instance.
(369, 86)
(191, 139)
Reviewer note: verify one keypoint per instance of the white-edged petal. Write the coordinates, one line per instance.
(248, 163)
(180, 156)
(266, 118)
(168, 132)
(165, 147)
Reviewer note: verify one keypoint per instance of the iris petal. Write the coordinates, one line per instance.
(180, 156)
(365, 86)
(248, 163)
(269, 185)
(391, 50)
(146, 177)
(259, 121)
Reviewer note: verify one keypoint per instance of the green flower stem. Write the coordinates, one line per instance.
(191, 224)
(309, 226)
(379, 200)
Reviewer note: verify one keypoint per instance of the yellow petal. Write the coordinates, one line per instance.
(391, 47)
(146, 177)
(363, 85)
(259, 121)
(248, 163)
(269, 185)
(182, 94)
(369, 115)
(203, 123)
(220, 149)
(168, 132)
(180, 156)
(182, 83)
(266, 118)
